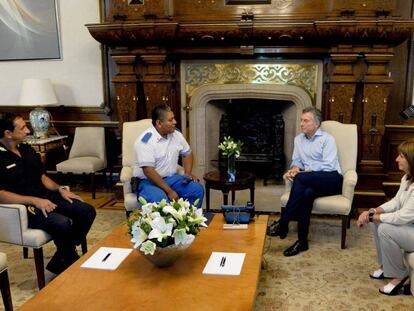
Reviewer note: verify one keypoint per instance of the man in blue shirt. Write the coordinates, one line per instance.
(315, 172)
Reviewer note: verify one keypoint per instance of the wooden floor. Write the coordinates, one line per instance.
(105, 200)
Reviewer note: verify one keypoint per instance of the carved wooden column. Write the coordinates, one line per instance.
(342, 86)
(377, 86)
(159, 83)
(125, 82)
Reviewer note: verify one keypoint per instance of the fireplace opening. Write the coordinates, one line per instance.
(259, 124)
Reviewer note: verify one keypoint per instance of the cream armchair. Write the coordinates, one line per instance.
(14, 229)
(130, 132)
(346, 138)
(87, 155)
(4, 283)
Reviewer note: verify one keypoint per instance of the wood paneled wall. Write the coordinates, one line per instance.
(366, 47)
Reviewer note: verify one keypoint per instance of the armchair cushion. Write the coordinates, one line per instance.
(81, 165)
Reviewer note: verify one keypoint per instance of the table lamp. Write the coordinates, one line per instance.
(40, 93)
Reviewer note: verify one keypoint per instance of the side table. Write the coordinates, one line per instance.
(218, 181)
(44, 145)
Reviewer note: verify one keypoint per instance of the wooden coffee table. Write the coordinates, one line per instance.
(218, 180)
(139, 285)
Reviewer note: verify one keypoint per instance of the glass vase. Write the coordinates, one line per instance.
(231, 168)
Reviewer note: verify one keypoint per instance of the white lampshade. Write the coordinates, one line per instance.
(37, 92)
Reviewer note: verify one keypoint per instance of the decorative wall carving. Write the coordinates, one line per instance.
(302, 75)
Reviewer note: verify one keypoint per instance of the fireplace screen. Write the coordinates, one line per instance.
(260, 126)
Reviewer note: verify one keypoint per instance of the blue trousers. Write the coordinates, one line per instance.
(186, 190)
(308, 186)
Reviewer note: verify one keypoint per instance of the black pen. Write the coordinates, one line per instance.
(106, 257)
(224, 261)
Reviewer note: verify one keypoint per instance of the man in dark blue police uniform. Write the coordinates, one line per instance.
(50, 207)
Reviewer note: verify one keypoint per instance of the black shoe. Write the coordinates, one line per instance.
(296, 248)
(56, 264)
(394, 291)
(274, 229)
(407, 289)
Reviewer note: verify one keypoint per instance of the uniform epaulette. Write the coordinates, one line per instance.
(2, 149)
(146, 137)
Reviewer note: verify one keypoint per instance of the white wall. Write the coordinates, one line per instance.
(77, 78)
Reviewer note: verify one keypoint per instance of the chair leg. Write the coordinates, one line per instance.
(40, 270)
(343, 235)
(84, 246)
(105, 179)
(93, 185)
(25, 252)
(351, 214)
(5, 291)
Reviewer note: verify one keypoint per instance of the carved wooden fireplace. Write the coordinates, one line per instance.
(190, 52)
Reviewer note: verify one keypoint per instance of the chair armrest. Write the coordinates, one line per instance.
(13, 222)
(126, 174)
(349, 183)
(288, 183)
(125, 178)
(180, 170)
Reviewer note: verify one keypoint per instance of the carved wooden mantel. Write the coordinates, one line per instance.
(356, 39)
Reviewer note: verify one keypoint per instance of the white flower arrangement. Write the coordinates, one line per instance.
(159, 225)
(229, 147)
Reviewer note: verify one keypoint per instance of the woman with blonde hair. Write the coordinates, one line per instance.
(393, 226)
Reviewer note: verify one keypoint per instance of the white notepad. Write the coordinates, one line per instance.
(107, 258)
(224, 263)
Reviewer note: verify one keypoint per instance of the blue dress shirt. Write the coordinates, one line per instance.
(316, 154)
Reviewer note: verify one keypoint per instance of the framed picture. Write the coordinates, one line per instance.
(29, 30)
(248, 1)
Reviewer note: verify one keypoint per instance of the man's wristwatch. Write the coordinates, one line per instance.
(371, 216)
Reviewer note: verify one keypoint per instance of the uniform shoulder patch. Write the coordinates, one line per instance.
(146, 137)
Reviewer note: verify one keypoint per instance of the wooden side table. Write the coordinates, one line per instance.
(218, 181)
(44, 145)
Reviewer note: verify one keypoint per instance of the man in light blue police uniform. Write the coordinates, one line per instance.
(157, 152)
(315, 172)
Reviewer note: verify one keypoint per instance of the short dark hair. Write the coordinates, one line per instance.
(317, 114)
(158, 113)
(7, 122)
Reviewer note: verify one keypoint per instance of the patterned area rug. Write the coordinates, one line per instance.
(325, 277)
(322, 278)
